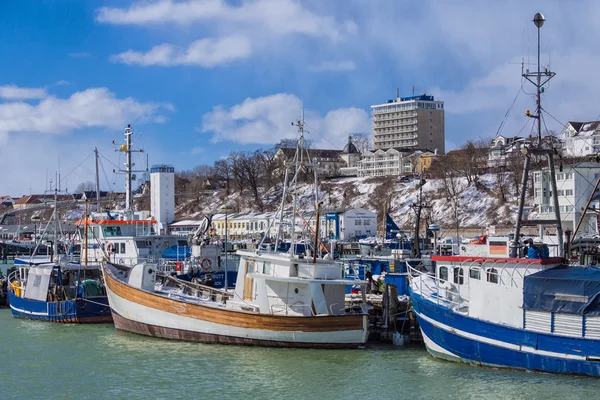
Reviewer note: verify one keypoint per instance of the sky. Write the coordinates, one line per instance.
(199, 79)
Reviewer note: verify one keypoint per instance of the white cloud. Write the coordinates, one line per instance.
(204, 52)
(280, 17)
(12, 92)
(333, 66)
(267, 120)
(94, 107)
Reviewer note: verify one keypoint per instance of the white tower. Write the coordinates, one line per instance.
(162, 195)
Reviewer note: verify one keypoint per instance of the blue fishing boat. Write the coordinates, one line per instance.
(54, 293)
(56, 289)
(507, 308)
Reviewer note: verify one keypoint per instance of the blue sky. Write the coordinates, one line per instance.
(199, 79)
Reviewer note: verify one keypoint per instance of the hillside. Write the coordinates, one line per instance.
(477, 205)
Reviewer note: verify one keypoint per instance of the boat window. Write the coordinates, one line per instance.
(142, 244)
(492, 275)
(116, 248)
(122, 248)
(112, 231)
(250, 266)
(443, 271)
(459, 275)
(267, 267)
(474, 273)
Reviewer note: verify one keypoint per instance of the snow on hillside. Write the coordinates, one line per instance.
(477, 206)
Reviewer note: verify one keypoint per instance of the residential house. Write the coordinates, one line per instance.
(351, 156)
(329, 161)
(504, 148)
(385, 162)
(581, 138)
(574, 190)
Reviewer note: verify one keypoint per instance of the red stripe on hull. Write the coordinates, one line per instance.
(189, 336)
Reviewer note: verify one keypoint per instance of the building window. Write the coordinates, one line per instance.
(492, 275)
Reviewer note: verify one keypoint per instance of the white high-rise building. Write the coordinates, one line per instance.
(415, 122)
(162, 195)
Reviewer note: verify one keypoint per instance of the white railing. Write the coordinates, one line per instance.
(439, 291)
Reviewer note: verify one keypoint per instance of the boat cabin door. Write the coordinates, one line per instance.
(248, 281)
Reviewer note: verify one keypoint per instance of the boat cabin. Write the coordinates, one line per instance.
(126, 242)
(273, 283)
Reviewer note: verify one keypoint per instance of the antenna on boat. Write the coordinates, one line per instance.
(538, 79)
(97, 182)
(126, 148)
(298, 162)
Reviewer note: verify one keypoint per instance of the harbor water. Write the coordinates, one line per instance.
(53, 361)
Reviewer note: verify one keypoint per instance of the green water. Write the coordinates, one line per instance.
(51, 361)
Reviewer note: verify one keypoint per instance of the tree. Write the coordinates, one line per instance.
(85, 187)
(251, 167)
(222, 172)
(362, 141)
(472, 160)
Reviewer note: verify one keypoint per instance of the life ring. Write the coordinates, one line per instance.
(109, 248)
(205, 264)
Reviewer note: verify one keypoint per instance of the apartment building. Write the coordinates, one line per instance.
(574, 185)
(415, 122)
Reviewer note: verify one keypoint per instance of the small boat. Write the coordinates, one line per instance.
(58, 293)
(280, 299)
(58, 290)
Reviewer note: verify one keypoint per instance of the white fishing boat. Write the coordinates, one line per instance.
(280, 299)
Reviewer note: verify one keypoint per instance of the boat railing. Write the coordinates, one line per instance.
(509, 272)
(203, 289)
(286, 308)
(440, 291)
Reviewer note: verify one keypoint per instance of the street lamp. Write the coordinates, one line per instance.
(225, 209)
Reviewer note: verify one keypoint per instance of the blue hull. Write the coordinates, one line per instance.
(94, 310)
(455, 337)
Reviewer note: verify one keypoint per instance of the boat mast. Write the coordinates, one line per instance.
(299, 147)
(97, 182)
(127, 149)
(55, 214)
(541, 78)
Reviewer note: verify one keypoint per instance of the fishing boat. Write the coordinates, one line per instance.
(59, 290)
(497, 308)
(280, 299)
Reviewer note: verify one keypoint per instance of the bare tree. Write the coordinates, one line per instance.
(363, 141)
(222, 172)
(446, 169)
(251, 167)
(85, 187)
(472, 160)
